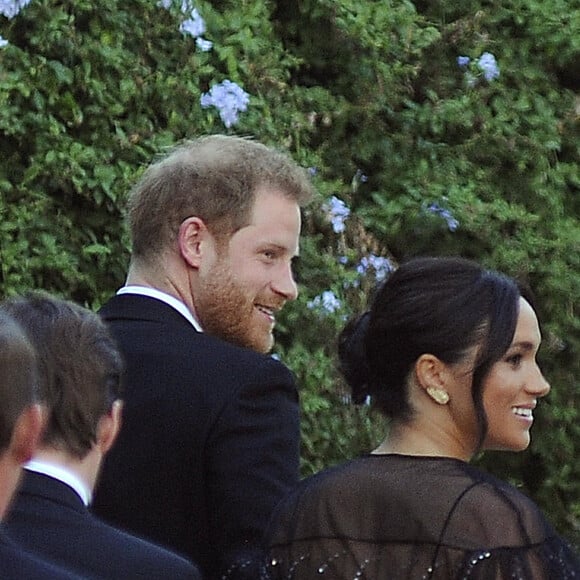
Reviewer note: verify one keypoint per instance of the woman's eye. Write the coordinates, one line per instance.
(514, 360)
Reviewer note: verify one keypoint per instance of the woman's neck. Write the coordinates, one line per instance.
(414, 439)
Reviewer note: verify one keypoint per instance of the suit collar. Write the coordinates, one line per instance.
(163, 297)
(142, 308)
(38, 484)
(61, 474)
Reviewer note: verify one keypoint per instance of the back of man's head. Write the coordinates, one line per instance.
(18, 377)
(79, 368)
(215, 178)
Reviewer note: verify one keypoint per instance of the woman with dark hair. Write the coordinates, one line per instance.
(447, 353)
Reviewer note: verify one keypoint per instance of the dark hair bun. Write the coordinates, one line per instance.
(352, 357)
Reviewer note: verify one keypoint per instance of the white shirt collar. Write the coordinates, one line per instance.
(164, 297)
(63, 475)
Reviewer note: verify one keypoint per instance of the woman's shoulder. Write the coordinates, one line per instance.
(493, 513)
(468, 502)
(374, 512)
(329, 495)
(346, 479)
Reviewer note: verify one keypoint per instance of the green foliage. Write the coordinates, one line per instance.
(368, 94)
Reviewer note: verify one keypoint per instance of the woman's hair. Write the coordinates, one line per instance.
(439, 306)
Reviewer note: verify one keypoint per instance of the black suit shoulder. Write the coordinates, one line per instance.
(210, 437)
(172, 370)
(159, 335)
(18, 564)
(49, 519)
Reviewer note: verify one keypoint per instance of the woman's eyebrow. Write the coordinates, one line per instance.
(523, 344)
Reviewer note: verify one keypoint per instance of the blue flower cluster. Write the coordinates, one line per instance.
(337, 212)
(382, 266)
(229, 99)
(486, 63)
(10, 8)
(327, 301)
(194, 25)
(436, 209)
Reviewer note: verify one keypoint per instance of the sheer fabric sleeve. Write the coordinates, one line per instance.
(504, 535)
(420, 520)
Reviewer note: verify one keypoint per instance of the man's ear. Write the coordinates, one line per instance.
(192, 232)
(27, 432)
(432, 374)
(109, 426)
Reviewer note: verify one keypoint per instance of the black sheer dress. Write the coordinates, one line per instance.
(399, 517)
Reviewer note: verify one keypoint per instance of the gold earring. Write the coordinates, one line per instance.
(440, 396)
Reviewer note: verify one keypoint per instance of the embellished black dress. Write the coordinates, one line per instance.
(401, 517)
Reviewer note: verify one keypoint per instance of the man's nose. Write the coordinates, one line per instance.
(285, 284)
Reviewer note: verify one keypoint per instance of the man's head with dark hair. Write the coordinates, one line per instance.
(18, 376)
(21, 417)
(79, 368)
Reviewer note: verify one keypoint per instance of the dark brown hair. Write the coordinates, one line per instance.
(18, 376)
(79, 367)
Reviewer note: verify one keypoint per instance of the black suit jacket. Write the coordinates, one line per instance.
(17, 564)
(49, 519)
(209, 442)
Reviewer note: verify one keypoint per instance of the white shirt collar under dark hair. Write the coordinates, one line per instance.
(63, 475)
(163, 297)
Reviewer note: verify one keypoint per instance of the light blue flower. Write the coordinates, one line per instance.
(382, 266)
(337, 212)
(488, 65)
(194, 26)
(203, 44)
(435, 208)
(10, 8)
(327, 301)
(463, 61)
(229, 99)
(186, 5)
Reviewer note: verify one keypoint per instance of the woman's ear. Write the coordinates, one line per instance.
(431, 374)
(192, 232)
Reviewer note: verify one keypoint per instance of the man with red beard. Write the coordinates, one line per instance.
(210, 435)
